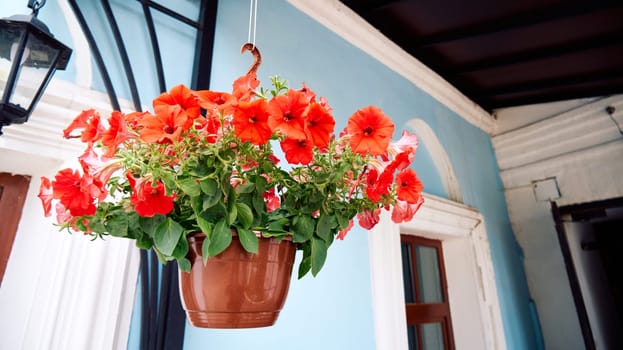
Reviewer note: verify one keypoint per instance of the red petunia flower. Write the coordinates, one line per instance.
(342, 234)
(319, 125)
(378, 185)
(404, 211)
(216, 101)
(251, 122)
(149, 200)
(370, 131)
(272, 200)
(286, 114)
(101, 169)
(116, 134)
(89, 121)
(244, 87)
(407, 142)
(297, 150)
(164, 127)
(368, 219)
(210, 127)
(178, 100)
(74, 192)
(45, 194)
(408, 186)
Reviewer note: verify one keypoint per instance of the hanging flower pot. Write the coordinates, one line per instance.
(203, 161)
(237, 289)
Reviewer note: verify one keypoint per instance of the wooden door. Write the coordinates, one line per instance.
(13, 189)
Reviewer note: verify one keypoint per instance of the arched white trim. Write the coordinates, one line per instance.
(344, 22)
(82, 54)
(61, 291)
(474, 304)
(440, 158)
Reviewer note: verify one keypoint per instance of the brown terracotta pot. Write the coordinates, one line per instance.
(237, 289)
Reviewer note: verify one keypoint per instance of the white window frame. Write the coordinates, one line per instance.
(474, 305)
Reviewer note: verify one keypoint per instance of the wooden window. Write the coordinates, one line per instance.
(429, 326)
(13, 189)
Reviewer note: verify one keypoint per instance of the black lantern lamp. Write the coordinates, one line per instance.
(29, 56)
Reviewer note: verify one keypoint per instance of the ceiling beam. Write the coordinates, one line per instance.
(514, 21)
(553, 96)
(555, 82)
(576, 46)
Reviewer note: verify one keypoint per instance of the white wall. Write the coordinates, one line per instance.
(582, 150)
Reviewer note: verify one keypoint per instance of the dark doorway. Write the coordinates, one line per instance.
(591, 238)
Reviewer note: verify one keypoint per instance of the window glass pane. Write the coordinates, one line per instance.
(432, 336)
(428, 275)
(407, 273)
(412, 335)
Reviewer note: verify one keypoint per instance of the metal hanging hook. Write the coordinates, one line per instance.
(256, 54)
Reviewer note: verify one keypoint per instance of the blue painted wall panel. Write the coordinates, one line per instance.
(299, 49)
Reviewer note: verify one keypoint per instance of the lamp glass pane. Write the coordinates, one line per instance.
(38, 59)
(10, 36)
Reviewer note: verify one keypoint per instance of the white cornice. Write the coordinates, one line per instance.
(42, 135)
(347, 24)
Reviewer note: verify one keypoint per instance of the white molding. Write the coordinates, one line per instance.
(474, 303)
(572, 131)
(61, 291)
(344, 22)
(440, 158)
(42, 135)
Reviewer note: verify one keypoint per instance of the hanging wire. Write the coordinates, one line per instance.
(252, 22)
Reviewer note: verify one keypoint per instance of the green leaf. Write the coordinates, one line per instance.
(303, 228)
(144, 242)
(168, 179)
(221, 238)
(342, 220)
(318, 255)
(204, 250)
(166, 236)
(323, 226)
(149, 224)
(245, 215)
(215, 213)
(204, 225)
(210, 200)
(258, 202)
(209, 186)
(184, 264)
(117, 225)
(189, 186)
(233, 213)
(248, 239)
(245, 188)
(305, 264)
(181, 249)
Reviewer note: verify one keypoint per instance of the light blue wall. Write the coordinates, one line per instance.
(333, 311)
